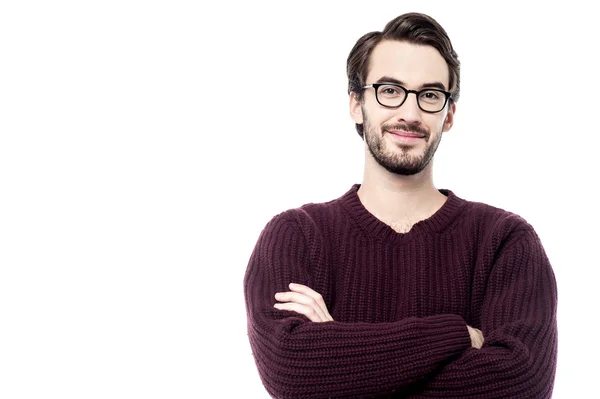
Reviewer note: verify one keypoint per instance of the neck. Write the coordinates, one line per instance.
(399, 200)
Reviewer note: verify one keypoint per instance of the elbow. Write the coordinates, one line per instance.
(274, 368)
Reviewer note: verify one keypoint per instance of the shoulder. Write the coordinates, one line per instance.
(313, 216)
(309, 218)
(504, 238)
(497, 224)
(497, 216)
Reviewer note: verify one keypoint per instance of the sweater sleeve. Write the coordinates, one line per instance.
(518, 321)
(297, 358)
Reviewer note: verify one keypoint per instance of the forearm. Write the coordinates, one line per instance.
(298, 358)
(503, 368)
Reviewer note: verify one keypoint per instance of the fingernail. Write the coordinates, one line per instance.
(278, 295)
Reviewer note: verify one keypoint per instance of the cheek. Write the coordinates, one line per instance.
(435, 123)
(379, 117)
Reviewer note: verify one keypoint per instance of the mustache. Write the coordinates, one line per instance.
(412, 128)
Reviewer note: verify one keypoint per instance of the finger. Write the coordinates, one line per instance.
(307, 297)
(296, 297)
(302, 309)
(476, 336)
(318, 298)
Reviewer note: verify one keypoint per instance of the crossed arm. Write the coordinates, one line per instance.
(304, 300)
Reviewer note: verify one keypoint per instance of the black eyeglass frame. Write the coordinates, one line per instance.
(376, 86)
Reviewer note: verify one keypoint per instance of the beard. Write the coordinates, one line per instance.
(399, 160)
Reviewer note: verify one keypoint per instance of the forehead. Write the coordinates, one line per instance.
(413, 64)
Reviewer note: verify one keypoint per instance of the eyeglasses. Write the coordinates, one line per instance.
(393, 96)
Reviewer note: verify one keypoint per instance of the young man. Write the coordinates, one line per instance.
(398, 289)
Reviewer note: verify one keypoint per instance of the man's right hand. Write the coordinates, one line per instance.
(476, 337)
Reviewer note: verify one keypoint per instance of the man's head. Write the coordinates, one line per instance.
(402, 123)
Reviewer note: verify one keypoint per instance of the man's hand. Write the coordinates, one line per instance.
(305, 301)
(476, 337)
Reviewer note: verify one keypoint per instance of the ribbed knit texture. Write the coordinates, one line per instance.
(401, 304)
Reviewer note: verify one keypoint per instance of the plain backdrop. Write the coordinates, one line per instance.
(144, 146)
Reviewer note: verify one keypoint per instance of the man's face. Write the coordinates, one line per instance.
(403, 140)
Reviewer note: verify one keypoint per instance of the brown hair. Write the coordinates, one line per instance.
(413, 28)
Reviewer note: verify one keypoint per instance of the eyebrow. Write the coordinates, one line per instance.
(388, 79)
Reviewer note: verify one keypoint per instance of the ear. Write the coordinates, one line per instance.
(449, 121)
(355, 108)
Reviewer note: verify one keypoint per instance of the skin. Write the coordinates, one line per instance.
(397, 185)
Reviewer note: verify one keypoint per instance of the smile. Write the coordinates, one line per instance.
(406, 137)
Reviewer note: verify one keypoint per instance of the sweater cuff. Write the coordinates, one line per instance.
(448, 332)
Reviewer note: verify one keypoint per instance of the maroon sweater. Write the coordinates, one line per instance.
(401, 304)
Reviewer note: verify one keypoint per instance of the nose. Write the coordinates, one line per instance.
(409, 111)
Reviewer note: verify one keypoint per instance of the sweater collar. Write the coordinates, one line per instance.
(379, 230)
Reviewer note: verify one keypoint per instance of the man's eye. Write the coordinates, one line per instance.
(431, 96)
(389, 91)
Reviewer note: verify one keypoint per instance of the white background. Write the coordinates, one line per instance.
(144, 145)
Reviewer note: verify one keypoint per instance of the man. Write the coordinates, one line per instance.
(398, 289)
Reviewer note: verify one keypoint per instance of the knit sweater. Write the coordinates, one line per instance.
(401, 304)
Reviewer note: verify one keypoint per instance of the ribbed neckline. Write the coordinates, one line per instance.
(381, 231)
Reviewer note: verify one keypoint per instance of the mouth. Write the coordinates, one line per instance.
(407, 137)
